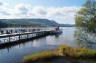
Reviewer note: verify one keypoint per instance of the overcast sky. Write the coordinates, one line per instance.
(62, 11)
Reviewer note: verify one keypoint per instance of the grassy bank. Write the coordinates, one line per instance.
(76, 52)
(40, 56)
(62, 51)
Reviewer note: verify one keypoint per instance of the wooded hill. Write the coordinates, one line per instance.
(27, 23)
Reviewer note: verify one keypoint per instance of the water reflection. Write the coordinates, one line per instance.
(85, 39)
(37, 43)
(17, 52)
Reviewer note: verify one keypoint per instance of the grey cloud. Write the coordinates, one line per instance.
(1, 3)
(23, 10)
(42, 12)
(59, 14)
(4, 13)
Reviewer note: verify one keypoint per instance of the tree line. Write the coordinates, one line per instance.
(6, 25)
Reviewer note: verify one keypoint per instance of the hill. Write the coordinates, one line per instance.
(27, 22)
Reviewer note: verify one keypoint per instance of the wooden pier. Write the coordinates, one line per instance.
(12, 36)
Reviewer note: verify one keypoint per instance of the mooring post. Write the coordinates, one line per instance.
(36, 34)
(42, 33)
(9, 39)
(19, 37)
(2, 32)
(27, 36)
(4, 40)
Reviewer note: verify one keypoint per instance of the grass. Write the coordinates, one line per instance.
(40, 56)
(62, 51)
(76, 52)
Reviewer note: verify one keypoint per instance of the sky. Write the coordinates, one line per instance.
(61, 11)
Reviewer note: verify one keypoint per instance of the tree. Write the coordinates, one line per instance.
(86, 16)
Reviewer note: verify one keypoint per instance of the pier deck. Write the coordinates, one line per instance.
(10, 37)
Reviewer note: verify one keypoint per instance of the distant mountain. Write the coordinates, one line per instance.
(67, 25)
(33, 22)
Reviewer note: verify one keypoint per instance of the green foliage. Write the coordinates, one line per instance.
(86, 16)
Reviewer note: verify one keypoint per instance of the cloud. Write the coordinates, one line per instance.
(39, 11)
(4, 10)
(4, 13)
(27, 11)
(1, 3)
(22, 9)
(54, 12)
(65, 14)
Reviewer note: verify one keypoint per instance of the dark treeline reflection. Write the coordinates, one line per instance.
(85, 37)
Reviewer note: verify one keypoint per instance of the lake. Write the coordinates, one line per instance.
(14, 54)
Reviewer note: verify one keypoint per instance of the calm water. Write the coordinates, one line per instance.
(15, 54)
